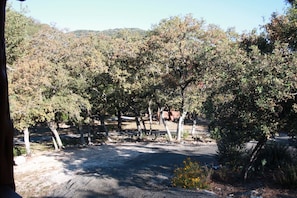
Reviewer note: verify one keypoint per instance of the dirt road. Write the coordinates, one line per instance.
(111, 170)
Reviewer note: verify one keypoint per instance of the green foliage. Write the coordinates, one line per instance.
(186, 134)
(248, 104)
(282, 28)
(18, 151)
(173, 47)
(50, 79)
(247, 83)
(230, 153)
(227, 175)
(253, 39)
(191, 176)
(272, 157)
(111, 32)
(62, 117)
(15, 34)
(286, 176)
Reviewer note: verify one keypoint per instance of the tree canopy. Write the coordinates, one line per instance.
(245, 85)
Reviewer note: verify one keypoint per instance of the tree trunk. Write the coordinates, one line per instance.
(90, 136)
(27, 141)
(181, 126)
(6, 127)
(119, 120)
(183, 115)
(194, 119)
(137, 120)
(160, 111)
(55, 144)
(253, 157)
(81, 132)
(102, 123)
(53, 127)
(150, 116)
(165, 125)
(143, 124)
(91, 131)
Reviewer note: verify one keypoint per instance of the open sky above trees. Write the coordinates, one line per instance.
(103, 15)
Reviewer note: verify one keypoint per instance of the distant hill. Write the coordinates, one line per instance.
(111, 32)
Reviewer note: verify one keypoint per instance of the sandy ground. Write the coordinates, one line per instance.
(125, 169)
(110, 170)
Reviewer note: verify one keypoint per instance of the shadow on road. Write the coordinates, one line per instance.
(108, 170)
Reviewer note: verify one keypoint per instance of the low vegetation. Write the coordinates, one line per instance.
(275, 165)
(191, 175)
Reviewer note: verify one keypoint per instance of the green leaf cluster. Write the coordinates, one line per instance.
(244, 84)
(253, 94)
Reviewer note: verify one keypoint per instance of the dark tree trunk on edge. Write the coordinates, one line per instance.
(6, 127)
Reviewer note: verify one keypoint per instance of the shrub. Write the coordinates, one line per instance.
(227, 175)
(286, 176)
(18, 150)
(186, 134)
(191, 176)
(272, 157)
(231, 155)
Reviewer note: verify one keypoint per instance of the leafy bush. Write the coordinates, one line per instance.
(186, 134)
(272, 157)
(231, 155)
(286, 176)
(227, 175)
(278, 159)
(191, 176)
(18, 150)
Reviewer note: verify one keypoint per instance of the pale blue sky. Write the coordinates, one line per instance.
(109, 14)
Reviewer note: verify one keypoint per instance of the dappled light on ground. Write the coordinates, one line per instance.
(113, 167)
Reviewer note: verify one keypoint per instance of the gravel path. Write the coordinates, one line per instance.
(112, 170)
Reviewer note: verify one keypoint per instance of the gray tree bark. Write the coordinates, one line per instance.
(180, 127)
(27, 141)
(53, 127)
(165, 125)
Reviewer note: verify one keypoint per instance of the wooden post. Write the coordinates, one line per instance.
(6, 127)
